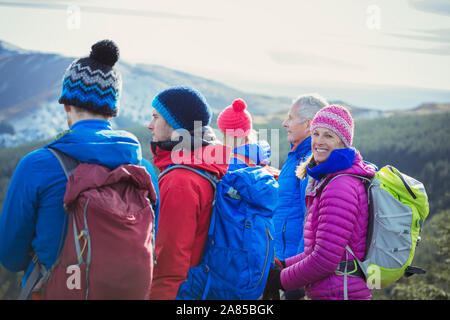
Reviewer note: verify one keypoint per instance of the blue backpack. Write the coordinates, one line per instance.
(239, 250)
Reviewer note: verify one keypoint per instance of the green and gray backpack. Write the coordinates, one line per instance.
(398, 206)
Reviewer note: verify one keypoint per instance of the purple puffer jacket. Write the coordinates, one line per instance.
(336, 217)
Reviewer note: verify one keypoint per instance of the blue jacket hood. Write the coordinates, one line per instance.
(258, 152)
(94, 141)
(254, 184)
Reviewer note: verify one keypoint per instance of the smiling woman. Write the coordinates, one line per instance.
(323, 142)
(331, 129)
(337, 213)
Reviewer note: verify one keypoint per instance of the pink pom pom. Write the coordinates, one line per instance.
(239, 105)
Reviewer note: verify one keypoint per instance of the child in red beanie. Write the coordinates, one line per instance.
(235, 122)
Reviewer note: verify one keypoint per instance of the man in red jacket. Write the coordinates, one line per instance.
(185, 197)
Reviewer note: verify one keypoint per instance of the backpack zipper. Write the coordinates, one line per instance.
(404, 182)
(267, 255)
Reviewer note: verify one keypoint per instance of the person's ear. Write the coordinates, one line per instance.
(308, 124)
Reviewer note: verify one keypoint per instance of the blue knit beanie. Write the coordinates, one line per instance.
(92, 83)
(181, 106)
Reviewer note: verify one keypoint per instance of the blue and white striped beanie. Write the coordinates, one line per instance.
(92, 83)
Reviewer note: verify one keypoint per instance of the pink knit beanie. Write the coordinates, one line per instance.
(337, 119)
(235, 119)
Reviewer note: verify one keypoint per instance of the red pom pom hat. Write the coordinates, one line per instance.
(235, 120)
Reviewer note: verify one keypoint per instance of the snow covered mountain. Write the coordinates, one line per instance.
(30, 84)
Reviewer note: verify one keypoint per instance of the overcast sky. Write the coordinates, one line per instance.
(392, 42)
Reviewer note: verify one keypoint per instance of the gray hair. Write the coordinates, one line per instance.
(309, 104)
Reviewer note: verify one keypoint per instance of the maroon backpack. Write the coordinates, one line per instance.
(108, 247)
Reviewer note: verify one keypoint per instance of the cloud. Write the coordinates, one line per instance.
(437, 35)
(299, 58)
(441, 7)
(436, 32)
(104, 10)
(440, 50)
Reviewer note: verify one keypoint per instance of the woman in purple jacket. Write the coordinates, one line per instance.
(337, 215)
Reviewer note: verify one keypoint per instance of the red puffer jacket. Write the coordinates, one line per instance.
(184, 216)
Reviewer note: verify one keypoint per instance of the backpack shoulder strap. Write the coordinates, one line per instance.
(68, 163)
(208, 176)
(33, 278)
(352, 175)
(364, 179)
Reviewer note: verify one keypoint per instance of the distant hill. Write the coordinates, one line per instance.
(368, 95)
(30, 84)
(7, 48)
(363, 113)
(424, 108)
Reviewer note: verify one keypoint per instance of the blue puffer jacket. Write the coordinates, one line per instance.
(289, 215)
(32, 217)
